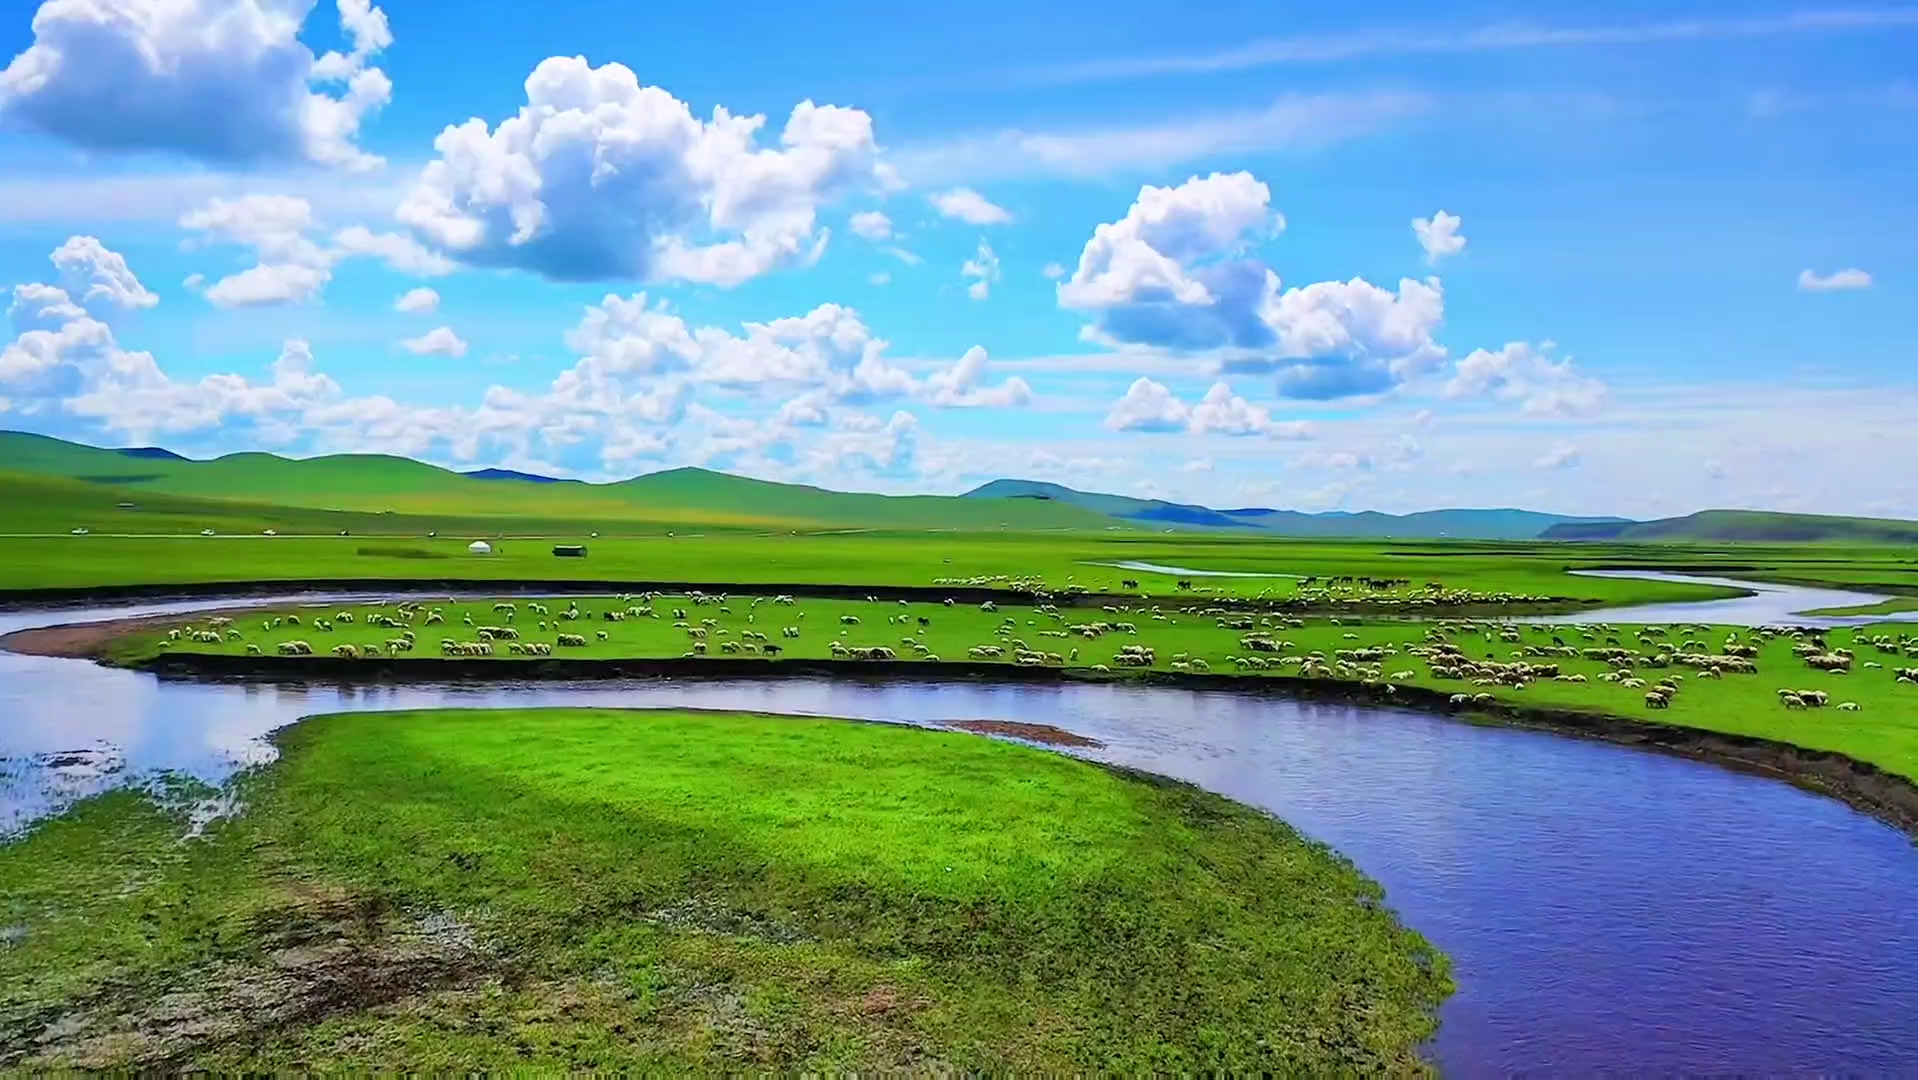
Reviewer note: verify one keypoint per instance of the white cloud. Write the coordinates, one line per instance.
(400, 253)
(879, 277)
(872, 225)
(217, 80)
(269, 283)
(1297, 122)
(904, 256)
(958, 387)
(1562, 456)
(1197, 465)
(86, 264)
(1519, 372)
(967, 205)
(1054, 271)
(1172, 276)
(983, 267)
(439, 341)
(1494, 37)
(599, 177)
(1439, 236)
(1853, 278)
(1149, 406)
(292, 267)
(420, 301)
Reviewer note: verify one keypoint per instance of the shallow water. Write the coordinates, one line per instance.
(1768, 604)
(1155, 568)
(1603, 908)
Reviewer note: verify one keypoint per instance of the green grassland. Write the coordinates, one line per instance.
(725, 559)
(1884, 730)
(697, 892)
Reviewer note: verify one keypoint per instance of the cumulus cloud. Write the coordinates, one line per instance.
(600, 177)
(439, 341)
(87, 266)
(1054, 271)
(983, 268)
(291, 266)
(222, 81)
(1841, 281)
(1529, 376)
(1172, 276)
(1439, 236)
(958, 387)
(1562, 456)
(872, 225)
(967, 205)
(420, 301)
(828, 354)
(1149, 406)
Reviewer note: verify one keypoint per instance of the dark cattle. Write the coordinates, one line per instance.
(1129, 583)
(923, 621)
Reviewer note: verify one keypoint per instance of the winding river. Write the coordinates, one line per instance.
(1604, 908)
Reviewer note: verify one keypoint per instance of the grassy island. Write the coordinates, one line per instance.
(574, 889)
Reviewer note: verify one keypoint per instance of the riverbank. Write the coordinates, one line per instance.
(573, 889)
(1860, 784)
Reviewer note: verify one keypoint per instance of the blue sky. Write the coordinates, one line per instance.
(1121, 247)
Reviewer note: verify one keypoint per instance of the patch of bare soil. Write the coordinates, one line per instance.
(1039, 733)
(322, 955)
(89, 641)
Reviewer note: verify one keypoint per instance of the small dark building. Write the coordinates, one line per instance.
(570, 551)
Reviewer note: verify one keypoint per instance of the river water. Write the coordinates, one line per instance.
(1604, 909)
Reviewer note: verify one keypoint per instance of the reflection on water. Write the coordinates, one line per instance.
(1603, 908)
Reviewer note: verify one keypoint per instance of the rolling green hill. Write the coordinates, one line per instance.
(1427, 524)
(353, 487)
(1748, 525)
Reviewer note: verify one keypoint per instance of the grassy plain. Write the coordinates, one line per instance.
(569, 889)
(1883, 731)
(722, 559)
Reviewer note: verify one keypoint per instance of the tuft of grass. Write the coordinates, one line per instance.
(572, 889)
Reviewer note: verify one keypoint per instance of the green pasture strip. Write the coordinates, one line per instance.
(720, 559)
(574, 889)
(1883, 731)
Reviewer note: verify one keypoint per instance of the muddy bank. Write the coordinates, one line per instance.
(90, 641)
(1039, 733)
(1861, 785)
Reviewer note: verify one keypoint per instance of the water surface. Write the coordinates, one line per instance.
(1604, 909)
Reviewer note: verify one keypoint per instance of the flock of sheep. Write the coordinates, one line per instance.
(1506, 656)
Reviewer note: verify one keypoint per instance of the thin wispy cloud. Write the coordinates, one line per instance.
(1300, 121)
(1369, 44)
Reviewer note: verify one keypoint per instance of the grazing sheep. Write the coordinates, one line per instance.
(576, 641)
(346, 652)
(601, 635)
(1657, 700)
(849, 620)
(1848, 706)
(295, 648)
(253, 650)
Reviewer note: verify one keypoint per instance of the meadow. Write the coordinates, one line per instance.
(568, 889)
(1087, 640)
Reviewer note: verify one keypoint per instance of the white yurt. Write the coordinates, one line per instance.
(480, 547)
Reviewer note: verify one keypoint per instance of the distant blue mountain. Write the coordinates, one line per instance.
(152, 453)
(1500, 524)
(509, 474)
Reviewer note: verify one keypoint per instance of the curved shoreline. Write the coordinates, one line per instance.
(1861, 785)
(81, 596)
